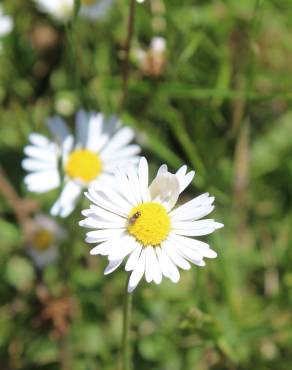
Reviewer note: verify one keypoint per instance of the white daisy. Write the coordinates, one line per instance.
(6, 23)
(140, 221)
(46, 235)
(63, 10)
(100, 145)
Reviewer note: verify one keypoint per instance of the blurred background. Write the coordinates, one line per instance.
(203, 82)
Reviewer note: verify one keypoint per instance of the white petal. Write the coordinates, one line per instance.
(124, 186)
(96, 139)
(189, 207)
(45, 154)
(112, 266)
(123, 247)
(152, 269)
(191, 225)
(165, 189)
(138, 272)
(197, 228)
(110, 165)
(67, 199)
(162, 169)
(81, 128)
(105, 247)
(121, 138)
(134, 183)
(193, 214)
(173, 270)
(58, 128)
(198, 246)
(93, 223)
(163, 262)
(185, 181)
(143, 179)
(114, 197)
(43, 258)
(182, 171)
(42, 181)
(176, 258)
(38, 139)
(101, 214)
(134, 256)
(35, 165)
(124, 153)
(191, 255)
(67, 147)
(98, 236)
(99, 199)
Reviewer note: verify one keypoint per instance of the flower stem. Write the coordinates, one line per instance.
(126, 329)
(127, 48)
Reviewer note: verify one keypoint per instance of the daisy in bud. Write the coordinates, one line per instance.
(141, 222)
(63, 10)
(46, 236)
(152, 62)
(73, 162)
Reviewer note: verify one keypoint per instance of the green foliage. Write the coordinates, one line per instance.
(222, 106)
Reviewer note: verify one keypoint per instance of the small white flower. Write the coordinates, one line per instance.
(43, 247)
(6, 23)
(100, 145)
(140, 221)
(63, 10)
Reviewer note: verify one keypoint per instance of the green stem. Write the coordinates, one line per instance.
(126, 67)
(126, 329)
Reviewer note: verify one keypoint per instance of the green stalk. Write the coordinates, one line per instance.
(126, 350)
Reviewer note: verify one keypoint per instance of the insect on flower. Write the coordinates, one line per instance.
(134, 218)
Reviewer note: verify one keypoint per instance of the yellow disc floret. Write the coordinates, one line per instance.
(42, 239)
(83, 164)
(87, 2)
(149, 223)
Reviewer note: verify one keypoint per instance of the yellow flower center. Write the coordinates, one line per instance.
(149, 223)
(83, 164)
(87, 2)
(42, 239)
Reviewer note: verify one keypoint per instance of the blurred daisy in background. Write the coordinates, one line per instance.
(44, 242)
(63, 10)
(6, 24)
(99, 146)
(140, 221)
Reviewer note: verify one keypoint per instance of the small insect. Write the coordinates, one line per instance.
(134, 218)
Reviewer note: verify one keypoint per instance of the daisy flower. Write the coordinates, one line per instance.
(140, 221)
(99, 146)
(46, 235)
(63, 10)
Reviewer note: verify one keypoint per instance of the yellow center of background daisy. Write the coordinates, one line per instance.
(87, 2)
(42, 239)
(149, 223)
(83, 164)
